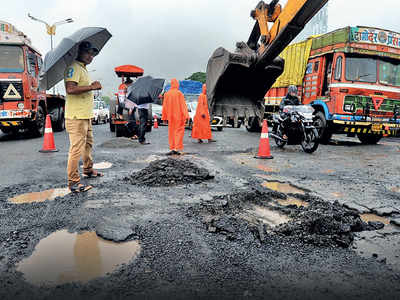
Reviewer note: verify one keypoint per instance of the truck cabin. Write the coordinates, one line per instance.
(20, 65)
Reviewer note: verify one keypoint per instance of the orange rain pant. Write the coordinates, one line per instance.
(176, 131)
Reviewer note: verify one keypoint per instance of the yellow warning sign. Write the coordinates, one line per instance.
(11, 93)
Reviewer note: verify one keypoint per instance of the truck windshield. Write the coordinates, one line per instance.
(389, 73)
(11, 59)
(362, 69)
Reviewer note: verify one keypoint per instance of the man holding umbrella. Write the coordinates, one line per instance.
(78, 115)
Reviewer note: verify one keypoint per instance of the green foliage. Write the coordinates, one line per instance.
(198, 76)
(106, 99)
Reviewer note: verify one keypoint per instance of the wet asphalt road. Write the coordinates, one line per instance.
(179, 258)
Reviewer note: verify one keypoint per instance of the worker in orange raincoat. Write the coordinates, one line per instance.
(175, 111)
(201, 122)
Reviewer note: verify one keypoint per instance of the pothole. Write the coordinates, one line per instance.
(292, 201)
(262, 214)
(374, 218)
(282, 187)
(101, 165)
(69, 257)
(39, 196)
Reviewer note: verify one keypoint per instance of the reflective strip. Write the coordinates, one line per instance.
(353, 130)
(5, 124)
(48, 130)
(264, 135)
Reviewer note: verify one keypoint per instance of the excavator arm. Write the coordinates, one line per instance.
(237, 82)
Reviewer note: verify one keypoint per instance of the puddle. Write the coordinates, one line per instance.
(282, 187)
(101, 165)
(67, 257)
(293, 201)
(373, 218)
(40, 196)
(338, 195)
(266, 169)
(245, 159)
(265, 215)
(395, 189)
(329, 171)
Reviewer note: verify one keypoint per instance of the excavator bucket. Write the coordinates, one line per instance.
(237, 82)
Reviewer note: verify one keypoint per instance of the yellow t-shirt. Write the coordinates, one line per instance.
(78, 106)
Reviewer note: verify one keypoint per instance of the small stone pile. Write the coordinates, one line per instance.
(169, 172)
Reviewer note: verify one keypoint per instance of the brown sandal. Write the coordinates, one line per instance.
(93, 174)
(79, 188)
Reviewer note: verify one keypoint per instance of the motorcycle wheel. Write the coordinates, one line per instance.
(277, 130)
(310, 143)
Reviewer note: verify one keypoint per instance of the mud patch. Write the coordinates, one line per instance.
(40, 196)
(282, 187)
(65, 257)
(169, 172)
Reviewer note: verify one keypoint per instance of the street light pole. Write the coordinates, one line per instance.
(51, 30)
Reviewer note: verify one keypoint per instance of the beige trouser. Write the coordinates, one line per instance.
(81, 143)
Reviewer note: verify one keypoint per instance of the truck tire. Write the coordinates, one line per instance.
(112, 127)
(369, 139)
(253, 125)
(220, 128)
(324, 133)
(119, 130)
(57, 118)
(36, 128)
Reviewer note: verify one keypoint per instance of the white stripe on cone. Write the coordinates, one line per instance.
(48, 130)
(264, 135)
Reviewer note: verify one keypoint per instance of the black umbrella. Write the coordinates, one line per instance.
(57, 60)
(145, 90)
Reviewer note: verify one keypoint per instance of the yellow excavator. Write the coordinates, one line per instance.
(237, 82)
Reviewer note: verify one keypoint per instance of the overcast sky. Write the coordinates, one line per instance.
(171, 38)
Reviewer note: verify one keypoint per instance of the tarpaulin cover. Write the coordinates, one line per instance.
(145, 90)
(188, 87)
(296, 58)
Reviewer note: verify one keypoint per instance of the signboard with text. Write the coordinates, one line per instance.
(375, 37)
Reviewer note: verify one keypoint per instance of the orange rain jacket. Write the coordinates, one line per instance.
(201, 122)
(176, 112)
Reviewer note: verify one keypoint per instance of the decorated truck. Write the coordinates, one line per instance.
(350, 76)
(22, 104)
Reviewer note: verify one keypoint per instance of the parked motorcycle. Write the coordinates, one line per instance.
(297, 123)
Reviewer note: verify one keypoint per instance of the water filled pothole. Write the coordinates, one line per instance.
(292, 201)
(68, 257)
(101, 165)
(374, 218)
(282, 187)
(265, 215)
(40, 196)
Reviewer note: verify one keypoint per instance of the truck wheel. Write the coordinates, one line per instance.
(369, 139)
(37, 126)
(119, 130)
(220, 128)
(112, 127)
(324, 133)
(57, 118)
(253, 125)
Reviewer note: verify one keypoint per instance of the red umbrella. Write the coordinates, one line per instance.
(128, 71)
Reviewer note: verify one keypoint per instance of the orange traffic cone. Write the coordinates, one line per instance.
(48, 142)
(263, 149)
(155, 123)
